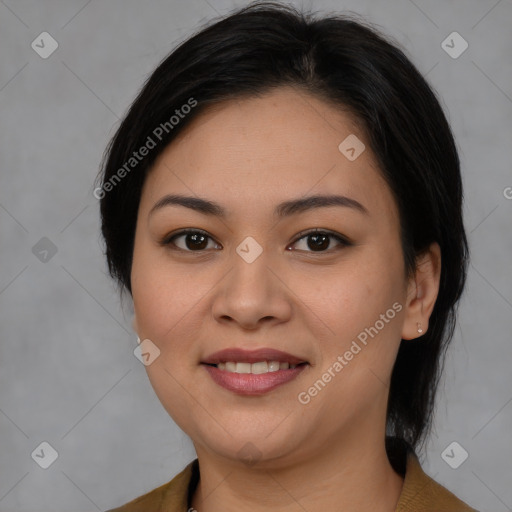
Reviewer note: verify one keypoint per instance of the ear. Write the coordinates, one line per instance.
(422, 291)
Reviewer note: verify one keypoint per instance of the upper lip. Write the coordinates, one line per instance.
(251, 356)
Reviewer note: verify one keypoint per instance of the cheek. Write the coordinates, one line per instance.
(161, 303)
(151, 296)
(351, 296)
(361, 306)
(158, 291)
(170, 304)
(162, 317)
(171, 384)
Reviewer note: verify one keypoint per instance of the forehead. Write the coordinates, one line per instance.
(284, 144)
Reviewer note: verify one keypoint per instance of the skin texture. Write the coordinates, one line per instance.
(248, 156)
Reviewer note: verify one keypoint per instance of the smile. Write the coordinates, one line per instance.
(252, 372)
(255, 368)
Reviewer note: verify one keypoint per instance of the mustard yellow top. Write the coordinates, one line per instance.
(419, 493)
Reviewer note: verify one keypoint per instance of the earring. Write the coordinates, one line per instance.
(420, 330)
(138, 340)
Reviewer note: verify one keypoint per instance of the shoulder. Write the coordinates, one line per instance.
(420, 493)
(172, 494)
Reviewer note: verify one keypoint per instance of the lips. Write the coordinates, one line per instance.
(238, 355)
(256, 383)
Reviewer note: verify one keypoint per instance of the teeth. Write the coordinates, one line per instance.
(243, 368)
(273, 366)
(259, 367)
(255, 368)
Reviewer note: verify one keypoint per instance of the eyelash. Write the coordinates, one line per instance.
(168, 241)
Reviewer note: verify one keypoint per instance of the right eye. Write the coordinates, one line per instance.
(195, 240)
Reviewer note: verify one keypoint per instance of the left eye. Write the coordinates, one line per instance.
(197, 240)
(319, 241)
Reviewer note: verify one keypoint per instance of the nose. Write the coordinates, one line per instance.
(251, 294)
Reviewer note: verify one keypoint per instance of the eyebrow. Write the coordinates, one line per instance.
(284, 209)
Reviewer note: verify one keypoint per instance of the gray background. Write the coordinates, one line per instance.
(68, 375)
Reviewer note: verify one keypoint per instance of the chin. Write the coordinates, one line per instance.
(254, 447)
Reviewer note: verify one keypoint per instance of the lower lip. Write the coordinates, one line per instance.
(252, 383)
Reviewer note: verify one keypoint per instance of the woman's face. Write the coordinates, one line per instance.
(253, 279)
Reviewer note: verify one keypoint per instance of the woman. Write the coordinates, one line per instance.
(283, 202)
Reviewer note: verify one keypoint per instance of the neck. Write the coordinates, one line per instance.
(355, 473)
